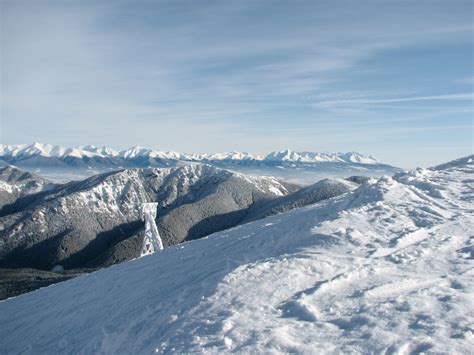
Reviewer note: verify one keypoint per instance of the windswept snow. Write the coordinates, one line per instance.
(386, 268)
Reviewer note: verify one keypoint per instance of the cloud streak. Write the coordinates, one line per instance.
(447, 97)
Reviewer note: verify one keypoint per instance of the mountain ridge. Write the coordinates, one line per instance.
(62, 164)
(61, 225)
(22, 151)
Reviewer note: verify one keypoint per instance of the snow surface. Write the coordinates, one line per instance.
(387, 268)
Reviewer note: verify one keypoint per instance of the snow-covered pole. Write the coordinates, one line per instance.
(152, 240)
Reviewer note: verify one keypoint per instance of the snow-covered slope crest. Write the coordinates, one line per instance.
(456, 163)
(387, 268)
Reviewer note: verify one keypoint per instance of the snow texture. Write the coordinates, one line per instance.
(386, 268)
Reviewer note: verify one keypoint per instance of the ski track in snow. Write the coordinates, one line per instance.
(387, 268)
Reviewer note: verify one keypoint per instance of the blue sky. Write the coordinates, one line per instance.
(390, 78)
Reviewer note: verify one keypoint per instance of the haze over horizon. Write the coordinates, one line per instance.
(392, 80)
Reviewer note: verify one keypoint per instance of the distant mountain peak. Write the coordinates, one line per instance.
(283, 155)
(134, 151)
(104, 151)
(317, 157)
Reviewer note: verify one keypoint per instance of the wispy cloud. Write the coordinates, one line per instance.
(467, 80)
(356, 101)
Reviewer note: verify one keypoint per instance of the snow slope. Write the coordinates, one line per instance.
(385, 268)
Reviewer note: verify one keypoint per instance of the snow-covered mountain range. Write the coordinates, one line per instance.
(96, 222)
(90, 156)
(385, 268)
(310, 157)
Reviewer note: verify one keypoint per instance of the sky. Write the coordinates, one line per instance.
(394, 79)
